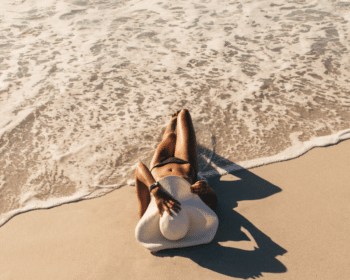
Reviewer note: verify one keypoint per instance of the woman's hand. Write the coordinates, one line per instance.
(165, 201)
(207, 194)
(200, 188)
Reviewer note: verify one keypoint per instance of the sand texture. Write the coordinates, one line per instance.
(286, 220)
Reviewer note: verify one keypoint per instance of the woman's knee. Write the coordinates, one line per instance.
(184, 112)
(185, 115)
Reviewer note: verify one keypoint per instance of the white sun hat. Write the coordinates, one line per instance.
(195, 224)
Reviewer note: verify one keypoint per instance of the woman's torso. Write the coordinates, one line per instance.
(174, 169)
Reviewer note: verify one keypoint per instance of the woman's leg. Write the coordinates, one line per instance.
(166, 148)
(186, 145)
(171, 127)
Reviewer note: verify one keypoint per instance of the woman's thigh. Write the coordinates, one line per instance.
(165, 149)
(186, 144)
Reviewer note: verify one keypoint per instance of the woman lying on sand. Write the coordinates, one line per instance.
(176, 155)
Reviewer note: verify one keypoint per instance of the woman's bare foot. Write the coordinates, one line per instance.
(174, 115)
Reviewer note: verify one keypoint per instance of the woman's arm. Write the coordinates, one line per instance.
(164, 201)
(206, 193)
(144, 175)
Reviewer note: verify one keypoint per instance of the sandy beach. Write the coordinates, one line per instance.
(287, 220)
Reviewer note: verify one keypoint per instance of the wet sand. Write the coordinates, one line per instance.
(287, 220)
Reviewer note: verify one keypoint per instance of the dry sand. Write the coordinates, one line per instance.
(295, 214)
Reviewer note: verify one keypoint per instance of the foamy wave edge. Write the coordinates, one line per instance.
(290, 153)
(50, 203)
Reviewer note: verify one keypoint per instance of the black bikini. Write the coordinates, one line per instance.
(172, 160)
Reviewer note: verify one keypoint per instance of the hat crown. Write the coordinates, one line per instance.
(174, 227)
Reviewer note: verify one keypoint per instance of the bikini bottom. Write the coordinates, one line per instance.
(173, 160)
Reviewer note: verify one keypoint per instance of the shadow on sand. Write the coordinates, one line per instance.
(231, 261)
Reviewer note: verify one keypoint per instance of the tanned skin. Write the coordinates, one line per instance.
(179, 140)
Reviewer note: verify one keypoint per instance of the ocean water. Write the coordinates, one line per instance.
(88, 86)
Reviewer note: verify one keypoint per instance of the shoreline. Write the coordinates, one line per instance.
(289, 221)
(293, 152)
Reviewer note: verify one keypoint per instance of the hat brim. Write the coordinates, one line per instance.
(203, 221)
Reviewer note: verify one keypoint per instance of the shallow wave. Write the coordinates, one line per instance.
(87, 88)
